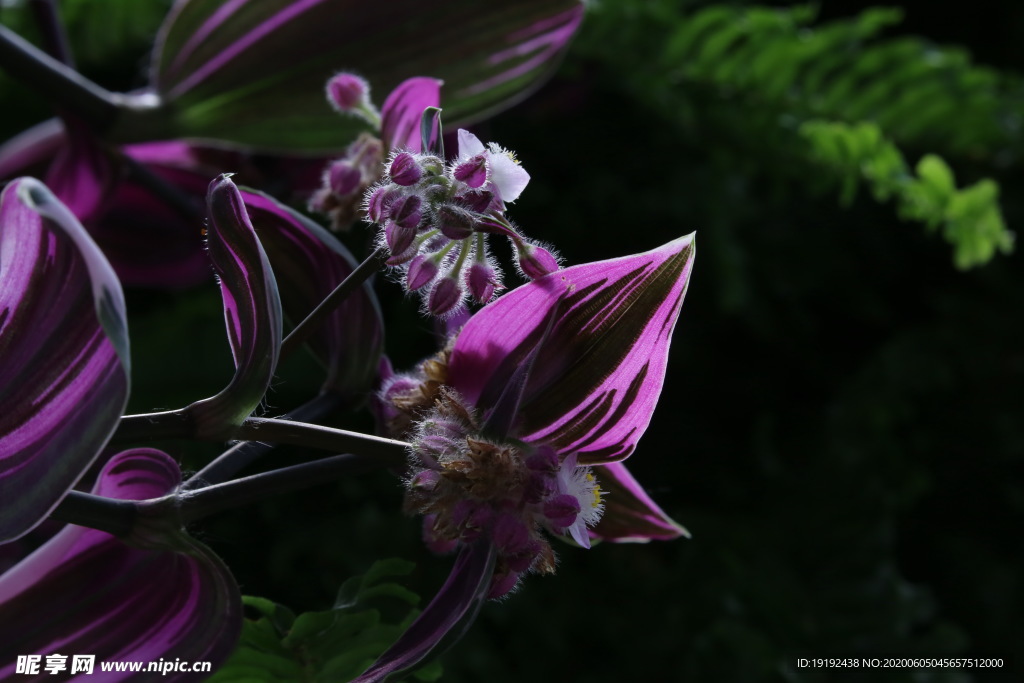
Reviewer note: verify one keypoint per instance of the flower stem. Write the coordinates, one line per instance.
(211, 499)
(61, 84)
(276, 430)
(241, 455)
(55, 39)
(112, 515)
(305, 329)
(170, 424)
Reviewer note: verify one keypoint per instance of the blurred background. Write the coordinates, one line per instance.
(841, 427)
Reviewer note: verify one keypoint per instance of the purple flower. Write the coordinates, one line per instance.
(458, 204)
(518, 428)
(156, 594)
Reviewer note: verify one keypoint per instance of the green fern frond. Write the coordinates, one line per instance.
(969, 218)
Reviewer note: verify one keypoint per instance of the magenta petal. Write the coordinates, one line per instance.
(310, 263)
(64, 363)
(449, 612)
(86, 592)
(403, 110)
(594, 386)
(252, 308)
(629, 513)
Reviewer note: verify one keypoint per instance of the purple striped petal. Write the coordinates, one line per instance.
(64, 363)
(86, 592)
(593, 387)
(403, 111)
(252, 308)
(253, 73)
(450, 612)
(310, 263)
(629, 513)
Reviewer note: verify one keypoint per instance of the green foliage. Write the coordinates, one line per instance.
(764, 82)
(970, 218)
(329, 646)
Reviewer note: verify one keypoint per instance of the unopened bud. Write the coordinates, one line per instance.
(473, 172)
(343, 178)
(405, 211)
(482, 281)
(455, 223)
(379, 203)
(536, 261)
(404, 170)
(347, 92)
(398, 237)
(561, 510)
(421, 271)
(444, 297)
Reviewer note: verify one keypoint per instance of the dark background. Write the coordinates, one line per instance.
(840, 428)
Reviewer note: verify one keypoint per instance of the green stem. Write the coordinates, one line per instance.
(305, 329)
(202, 502)
(240, 456)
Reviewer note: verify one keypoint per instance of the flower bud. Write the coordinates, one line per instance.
(347, 92)
(398, 237)
(421, 271)
(343, 178)
(476, 200)
(510, 534)
(379, 202)
(404, 170)
(562, 510)
(405, 211)
(454, 222)
(473, 171)
(482, 280)
(536, 261)
(444, 297)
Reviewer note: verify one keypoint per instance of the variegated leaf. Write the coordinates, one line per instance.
(87, 592)
(64, 365)
(253, 73)
(593, 386)
(310, 263)
(252, 309)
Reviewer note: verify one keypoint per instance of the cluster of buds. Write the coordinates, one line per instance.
(434, 218)
(469, 486)
(346, 179)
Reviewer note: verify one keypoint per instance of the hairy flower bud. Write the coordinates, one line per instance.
(422, 271)
(404, 170)
(343, 178)
(482, 281)
(455, 223)
(473, 171)
(444, 297)
(536, 261)
(405, 210)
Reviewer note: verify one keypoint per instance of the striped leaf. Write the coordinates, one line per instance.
(630, 515)
(593, 386)
(64, 366)
(253, 73)
(310, 263)
(252, 309)
(86, 592)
